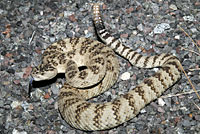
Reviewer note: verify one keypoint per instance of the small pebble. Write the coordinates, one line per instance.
(160, 28)
(140, 27)
(129, 10)
(52, 39)
(143, 111)
(155, 8)
(161, 102)
(55, 88)
(125, 76)
(134, 32)
(156, 69)
(47, 96)
(124, 35)
(67, 13)
(173, 7)
(177, 37)
(188, 18)
(37, 94)
(15, 131)
(186, 123)
(15, 104)
(161, 110)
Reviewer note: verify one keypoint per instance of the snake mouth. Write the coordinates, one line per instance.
(81, 68)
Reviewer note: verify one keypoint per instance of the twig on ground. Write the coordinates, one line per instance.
(189, 81)
(190, 51)
(179, 94)
(190, 38)
(194, 69)
(31, 39)
(196, 105)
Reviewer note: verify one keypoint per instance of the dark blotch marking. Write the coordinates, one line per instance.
(130, 98)
(106, 36)
(150, 83)
(113, 40)
(140, 91)
(99, 112)
(117, 46)
(70, 54)
(83, 74)
(99, 60)
(62, 61)
(146, 61)
(52, 47)
(158, 75)
(167, 69)
(137, 59)
(62, 43)
(70, 62)
(55, 63)
(133, 55)
(70, 68)
(129, 51)
(70, 102)
(74, 41)
(66, 94)
(166, 55)
(116, 108)
(154, 59)
(94, 69)
(124, 48)
(71, 74)
(61, 56)
(109, 66)
(103, 31)
(79, 109)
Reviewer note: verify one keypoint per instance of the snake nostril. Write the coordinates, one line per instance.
(82, 68)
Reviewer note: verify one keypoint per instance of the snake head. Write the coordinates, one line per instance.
(44, 72)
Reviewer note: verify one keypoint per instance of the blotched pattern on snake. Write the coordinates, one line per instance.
(91, 68)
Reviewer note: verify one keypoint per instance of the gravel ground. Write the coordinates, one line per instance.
(28, 27)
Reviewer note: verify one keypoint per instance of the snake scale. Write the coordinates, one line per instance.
(91, 67)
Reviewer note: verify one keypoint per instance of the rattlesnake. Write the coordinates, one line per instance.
(91, 67)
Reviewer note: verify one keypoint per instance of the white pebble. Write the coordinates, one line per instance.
(134, 32)
(67, 13)
(161, 102)
(177, 37)
(160, 28)
(194, 30)
(155, 69)
(188, 18)
(173, 7)
(140, 27)
(15, 104)
(15, 131)
(143, 111)
(125, 76)
(41, 13)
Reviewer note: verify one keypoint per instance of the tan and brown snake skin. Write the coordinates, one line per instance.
(68, 55)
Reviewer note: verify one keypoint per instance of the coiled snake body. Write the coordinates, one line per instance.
(91, 68)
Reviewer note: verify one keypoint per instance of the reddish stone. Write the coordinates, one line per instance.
(9, 55)
(124, 35)
(27, 72)
(38, 50)
(72, 18)
(104, 6)
(16, 82)
(47, 96)
(129, 10)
